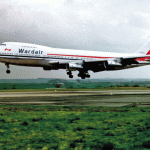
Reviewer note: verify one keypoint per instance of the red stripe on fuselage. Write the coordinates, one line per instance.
(142, 59)
(80, 56)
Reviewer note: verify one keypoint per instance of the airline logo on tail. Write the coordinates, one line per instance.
(148, 53)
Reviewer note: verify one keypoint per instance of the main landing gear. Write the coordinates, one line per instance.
(83, 75)
(7, 71)
(70, 74)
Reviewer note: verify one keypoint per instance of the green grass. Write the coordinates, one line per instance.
(47, 127)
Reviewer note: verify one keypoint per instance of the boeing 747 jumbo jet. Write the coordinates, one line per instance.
(48, 58)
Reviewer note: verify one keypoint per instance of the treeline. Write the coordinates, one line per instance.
(67, 85)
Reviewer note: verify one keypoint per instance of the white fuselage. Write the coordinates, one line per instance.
(34, 55)
(54, 58)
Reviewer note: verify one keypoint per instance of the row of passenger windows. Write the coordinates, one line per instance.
(80, 58)
(2, 44)
(6, 53)
(29, 47)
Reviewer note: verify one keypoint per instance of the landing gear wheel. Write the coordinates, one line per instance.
(79, 75)
(83, 77)
(69, 73)
(88, 76)
(8, 71)
(70, 76)
(83, 74)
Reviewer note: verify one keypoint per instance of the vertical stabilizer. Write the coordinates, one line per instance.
(145, 49)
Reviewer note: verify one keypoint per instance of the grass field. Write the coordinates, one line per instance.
(47, 127)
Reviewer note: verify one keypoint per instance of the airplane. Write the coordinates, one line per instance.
(25, 54)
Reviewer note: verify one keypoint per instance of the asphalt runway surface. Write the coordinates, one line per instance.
(111, 98)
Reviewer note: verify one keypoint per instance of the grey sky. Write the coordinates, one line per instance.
(116, 26)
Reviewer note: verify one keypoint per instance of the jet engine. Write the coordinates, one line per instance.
(99, 67)
(114, 63)
(107, 65)
(75, 66)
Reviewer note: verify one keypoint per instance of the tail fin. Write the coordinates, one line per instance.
(145, 49)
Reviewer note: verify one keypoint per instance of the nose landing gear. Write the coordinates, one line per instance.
(7, 71)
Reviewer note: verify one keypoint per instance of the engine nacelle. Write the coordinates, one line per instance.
(100, 67)
(75, 66)
(114, 63)
(107, 65)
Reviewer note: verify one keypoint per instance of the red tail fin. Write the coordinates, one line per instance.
(148, 53)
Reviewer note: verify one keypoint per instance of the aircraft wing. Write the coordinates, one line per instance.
(118, 61)
(124, 59)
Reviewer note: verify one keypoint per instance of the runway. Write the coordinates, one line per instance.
(111, 98)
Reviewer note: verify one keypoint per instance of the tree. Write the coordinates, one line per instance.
(126, 85)
(57, 85)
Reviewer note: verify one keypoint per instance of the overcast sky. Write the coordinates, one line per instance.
(99, 25)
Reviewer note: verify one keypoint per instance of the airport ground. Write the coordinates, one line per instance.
(61, 97)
